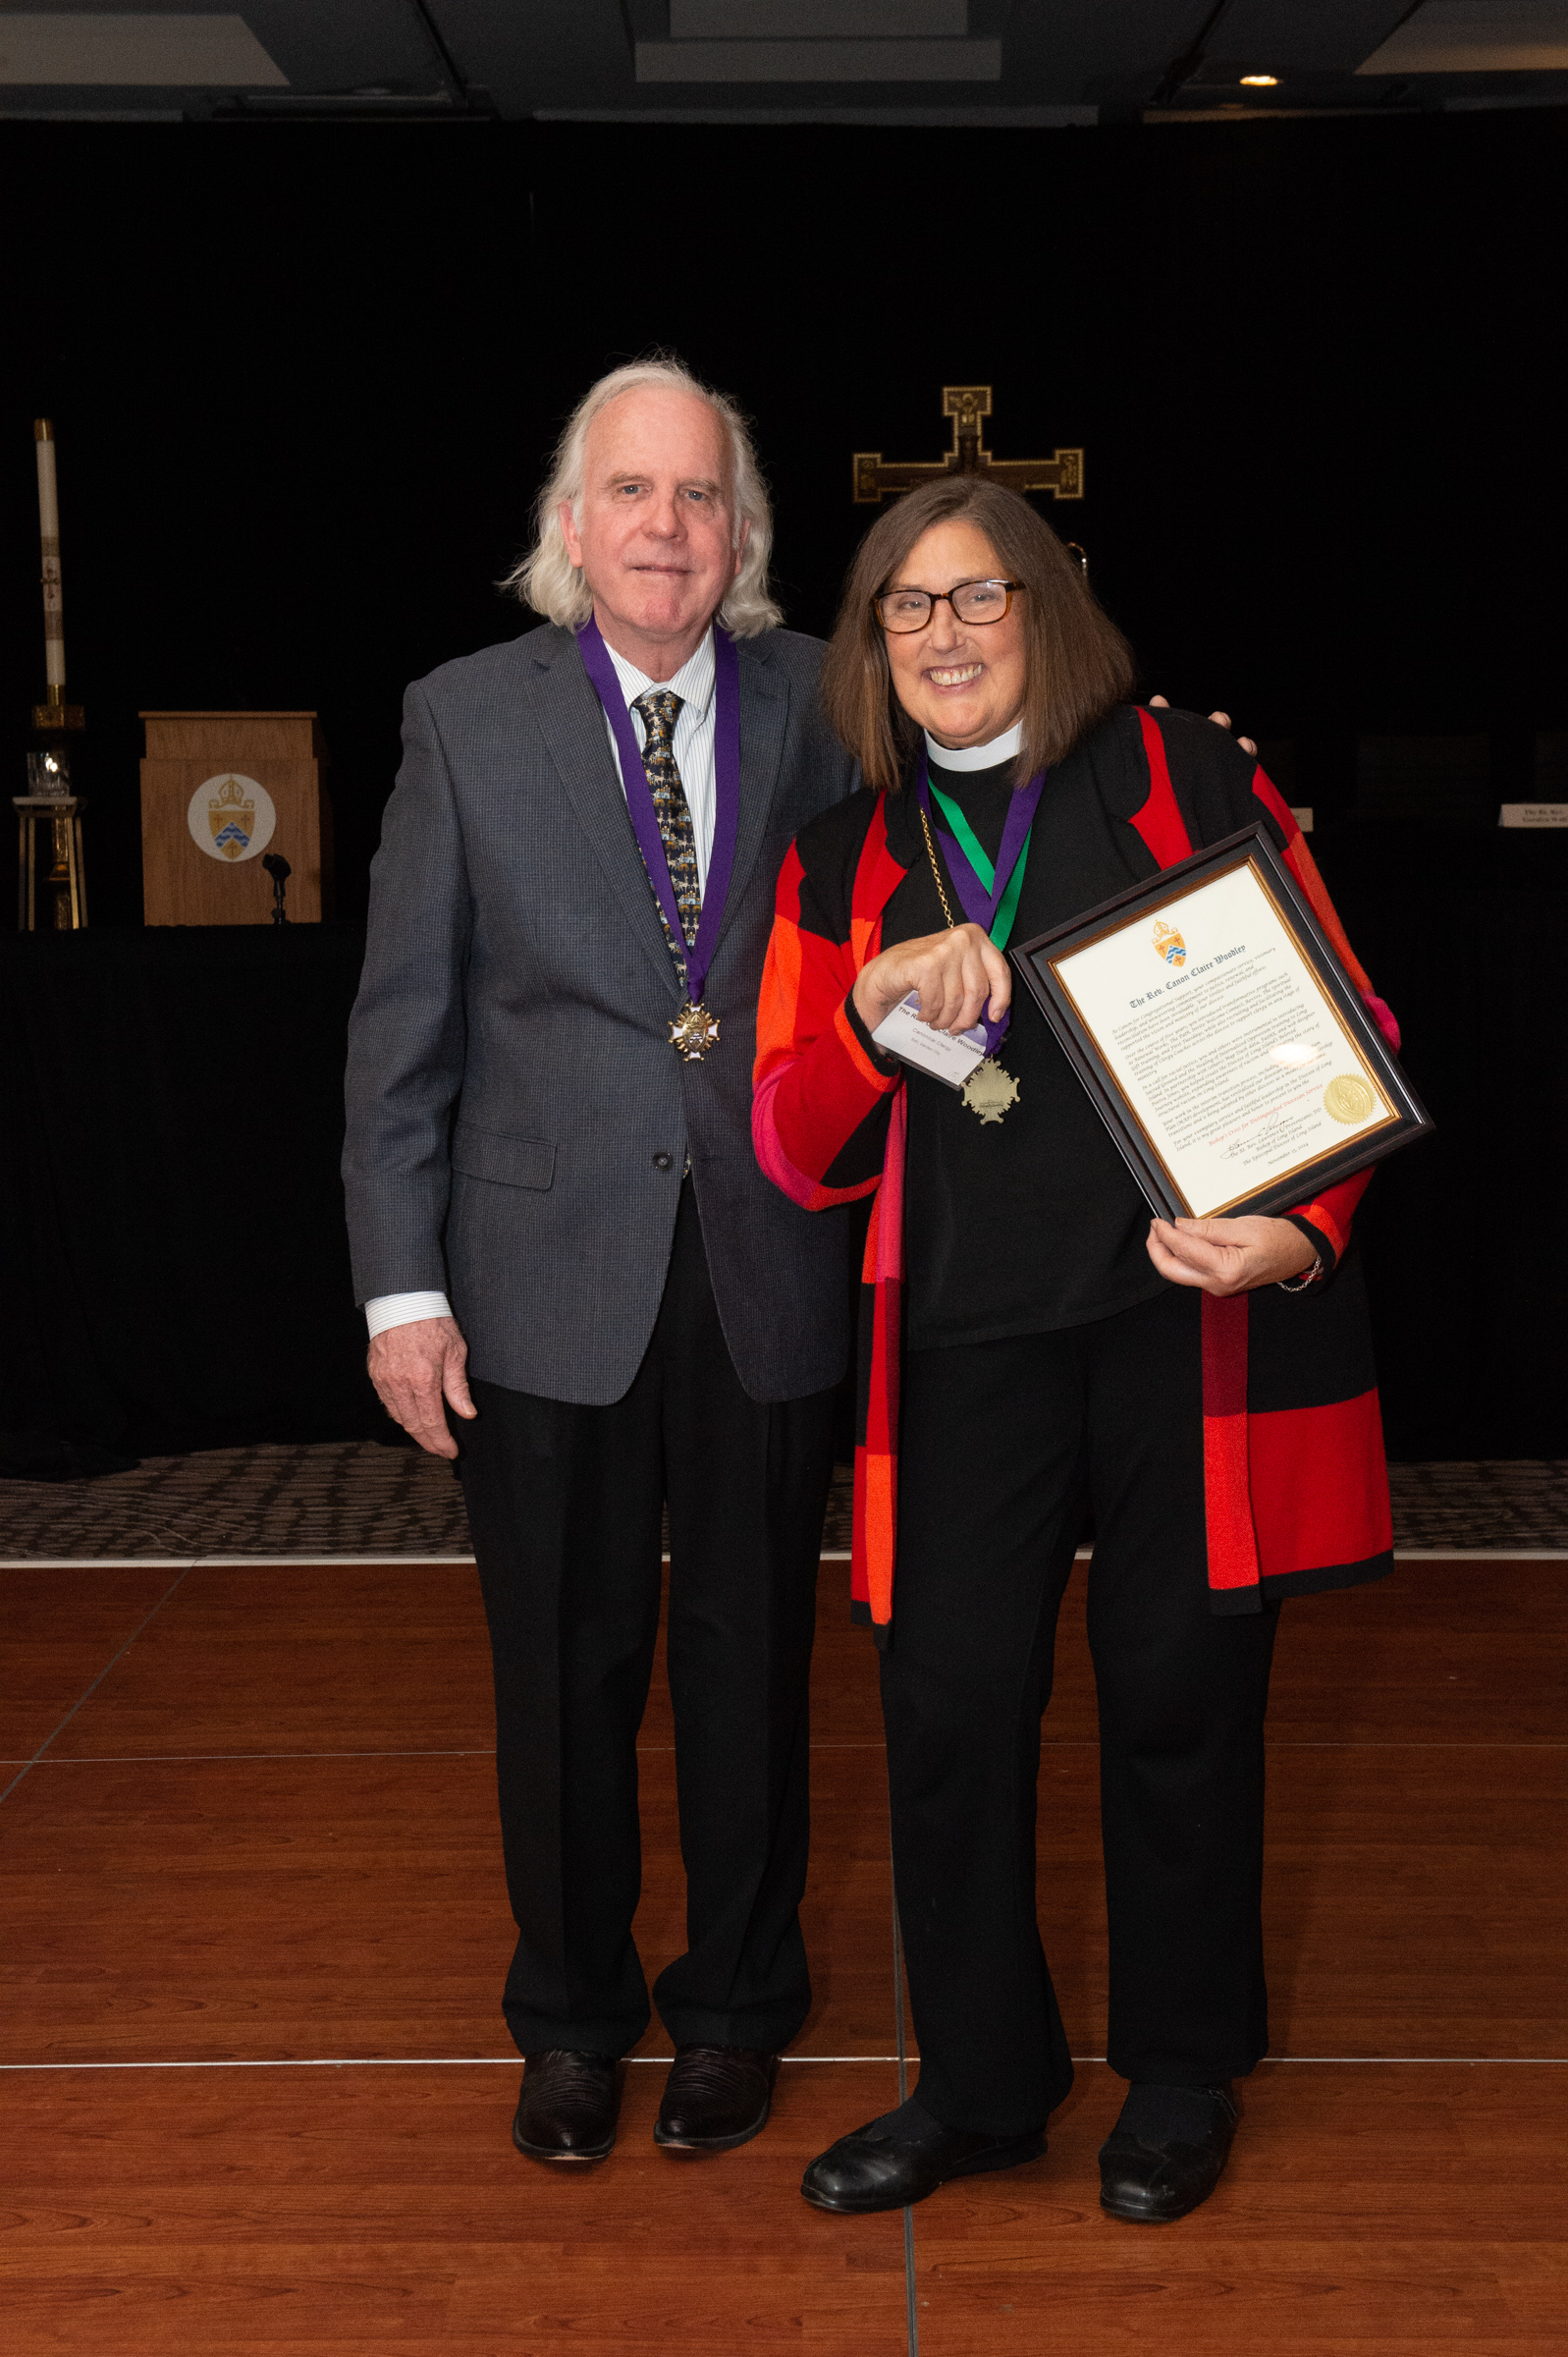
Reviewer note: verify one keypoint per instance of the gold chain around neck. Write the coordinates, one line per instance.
(936, 871)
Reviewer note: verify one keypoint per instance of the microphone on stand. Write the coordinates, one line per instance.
(280, 871)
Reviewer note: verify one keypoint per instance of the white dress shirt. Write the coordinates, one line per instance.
(693, 746)
(695, 730)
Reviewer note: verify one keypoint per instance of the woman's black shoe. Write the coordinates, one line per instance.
(567, 2110)
(1167, 2153)
(902, 2157)
(715, 2097)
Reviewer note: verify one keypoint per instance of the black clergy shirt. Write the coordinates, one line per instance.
(1032, 1223)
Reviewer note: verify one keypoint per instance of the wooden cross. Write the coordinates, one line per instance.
(1062, 475)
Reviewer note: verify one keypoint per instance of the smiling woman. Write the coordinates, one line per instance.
(1052, 659)
(1033, 1346)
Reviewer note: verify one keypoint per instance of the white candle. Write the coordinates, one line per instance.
(54, 635)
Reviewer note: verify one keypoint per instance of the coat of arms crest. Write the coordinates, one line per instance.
(1168, 943)
(232, 817)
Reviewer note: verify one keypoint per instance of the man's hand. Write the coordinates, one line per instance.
(956, 973)
(413, 1367)
(1229, 1256)
(1221, 720)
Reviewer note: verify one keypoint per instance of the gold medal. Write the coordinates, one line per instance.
(989, 1091)
(693, 1032)
(1347, 1099)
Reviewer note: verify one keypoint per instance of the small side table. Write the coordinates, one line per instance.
(67, 878)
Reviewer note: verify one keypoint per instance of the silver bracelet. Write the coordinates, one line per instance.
(1299, 1284)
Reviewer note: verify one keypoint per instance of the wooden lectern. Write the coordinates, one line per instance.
(219, 789)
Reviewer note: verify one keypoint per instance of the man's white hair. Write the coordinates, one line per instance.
(548, 580)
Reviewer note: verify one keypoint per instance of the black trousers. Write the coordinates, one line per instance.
(564, 1507)
(1005, 1445)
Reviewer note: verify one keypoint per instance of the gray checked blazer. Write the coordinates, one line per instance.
(517, 1122)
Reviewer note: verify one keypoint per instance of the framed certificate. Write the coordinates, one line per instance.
(1225, 1048)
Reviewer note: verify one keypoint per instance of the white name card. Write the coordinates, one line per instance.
(939, 1053)
(1533, 814)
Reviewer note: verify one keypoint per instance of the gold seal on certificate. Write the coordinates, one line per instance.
(1224, 1046)
(1347, 1099)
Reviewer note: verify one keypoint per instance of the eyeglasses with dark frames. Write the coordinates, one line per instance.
(899, 610)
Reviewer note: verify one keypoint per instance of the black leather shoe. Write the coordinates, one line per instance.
(902, 2157)
(567, 2110)
(1151, 2177)
(715, 2097)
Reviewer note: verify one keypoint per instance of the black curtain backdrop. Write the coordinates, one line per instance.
(304, 381)
(173, 1259)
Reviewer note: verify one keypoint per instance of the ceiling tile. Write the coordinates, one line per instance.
(803, 19)
(819, 61)
(1477, 36)
(132, 52)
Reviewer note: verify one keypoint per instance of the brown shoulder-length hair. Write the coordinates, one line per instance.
(1079, 663)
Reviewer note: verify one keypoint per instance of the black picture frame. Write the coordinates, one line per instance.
(1252, 847)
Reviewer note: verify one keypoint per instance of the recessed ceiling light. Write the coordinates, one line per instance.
(1260, 82)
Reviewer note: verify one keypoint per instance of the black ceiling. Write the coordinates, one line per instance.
(1020, 63)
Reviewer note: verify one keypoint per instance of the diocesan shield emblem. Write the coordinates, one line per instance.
(230, 818)
(1168, 943)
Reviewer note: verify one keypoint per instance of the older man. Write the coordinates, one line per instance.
(561, 1235)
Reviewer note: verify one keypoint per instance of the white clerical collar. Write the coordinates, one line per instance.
(694, 682)
(976, 756)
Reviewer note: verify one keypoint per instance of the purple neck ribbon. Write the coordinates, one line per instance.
(981, 901)
(639, 793)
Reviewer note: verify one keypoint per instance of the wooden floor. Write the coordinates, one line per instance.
(258, 2089)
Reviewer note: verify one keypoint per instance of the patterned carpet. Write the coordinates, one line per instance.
(334, 1497)
(356, 1498)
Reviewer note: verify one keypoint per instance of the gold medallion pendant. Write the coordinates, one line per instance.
(989, 1091)
(693, 1032)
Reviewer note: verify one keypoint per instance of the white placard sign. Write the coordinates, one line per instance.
(230, 818)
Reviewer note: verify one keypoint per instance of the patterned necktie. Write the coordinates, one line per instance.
(658, 709)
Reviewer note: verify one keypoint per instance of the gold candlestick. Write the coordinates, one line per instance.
(57, 820)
